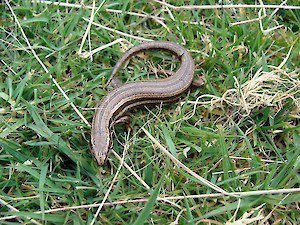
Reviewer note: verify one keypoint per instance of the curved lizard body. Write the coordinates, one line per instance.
(136, 93)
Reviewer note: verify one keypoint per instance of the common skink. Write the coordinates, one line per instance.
(116, 102)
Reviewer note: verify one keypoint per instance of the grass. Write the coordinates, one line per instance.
(227, 152)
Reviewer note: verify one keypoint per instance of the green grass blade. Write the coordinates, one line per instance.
(169, 140)
(13, 149)
(42, 180)
(150, 203)
(40, 128)
(189, 213)
(39, 19)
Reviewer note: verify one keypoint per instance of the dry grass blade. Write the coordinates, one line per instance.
(5, 204)
(229, 6)
(182, 166)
